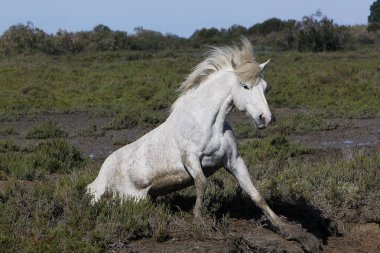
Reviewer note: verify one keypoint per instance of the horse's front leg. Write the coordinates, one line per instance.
(238, 169)
(193, 166)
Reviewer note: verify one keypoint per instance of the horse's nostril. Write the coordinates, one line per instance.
(262, 118)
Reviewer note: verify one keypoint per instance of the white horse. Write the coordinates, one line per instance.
(196, 139)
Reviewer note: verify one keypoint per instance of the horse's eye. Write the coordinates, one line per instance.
(245, 86)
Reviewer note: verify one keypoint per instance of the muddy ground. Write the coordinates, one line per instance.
(352, 231)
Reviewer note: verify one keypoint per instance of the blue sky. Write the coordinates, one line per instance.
(171, 16)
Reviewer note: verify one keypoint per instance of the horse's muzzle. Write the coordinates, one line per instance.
(263, 121)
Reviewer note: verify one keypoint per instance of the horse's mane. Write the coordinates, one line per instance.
(237, 58)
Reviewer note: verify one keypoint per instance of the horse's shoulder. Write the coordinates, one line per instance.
(228, 133)
(229, 139)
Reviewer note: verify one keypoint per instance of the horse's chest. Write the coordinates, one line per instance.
(215, 158)
(213, 146)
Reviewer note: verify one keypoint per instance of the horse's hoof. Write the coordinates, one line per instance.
(308, 241)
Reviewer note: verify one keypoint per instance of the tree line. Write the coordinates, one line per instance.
(314, 33)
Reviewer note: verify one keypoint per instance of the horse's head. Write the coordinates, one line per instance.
(249, 94)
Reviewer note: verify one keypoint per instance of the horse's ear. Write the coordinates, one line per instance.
(262, 65)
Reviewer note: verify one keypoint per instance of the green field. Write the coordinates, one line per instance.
(43, 205)
(342, 84)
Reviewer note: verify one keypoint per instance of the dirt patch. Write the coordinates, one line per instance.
(361, 133)
(359, 238)
(245, 236)
(97, 146)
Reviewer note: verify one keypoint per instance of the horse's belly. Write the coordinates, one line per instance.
(168, 182)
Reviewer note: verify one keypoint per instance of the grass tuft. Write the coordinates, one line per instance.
(53, 156)
(9, 131)
(46, 130)
(92, 131)
(8, 146)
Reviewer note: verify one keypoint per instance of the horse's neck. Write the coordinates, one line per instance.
(210, 103)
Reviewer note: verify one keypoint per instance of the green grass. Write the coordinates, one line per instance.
(46, 130)
(92, 131)
(9, 131)
(343, 84)
(105, 84)
(139, 91)
(53, 156)
(136, 117)
(56, 216)
(295, 123)
(52, 213)
(8, 146)
(43, 205)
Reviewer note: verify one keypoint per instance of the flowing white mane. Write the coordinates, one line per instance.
(238, 58)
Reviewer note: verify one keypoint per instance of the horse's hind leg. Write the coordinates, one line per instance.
(289, 231)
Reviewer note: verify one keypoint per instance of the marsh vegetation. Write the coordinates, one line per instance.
(57, 110)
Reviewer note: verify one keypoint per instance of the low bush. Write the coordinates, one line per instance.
(8, 146)
(57, 156)
(53, 156)
(92, 131)
(57, 216)
(135, 117)
(46, 130)
(9, 131)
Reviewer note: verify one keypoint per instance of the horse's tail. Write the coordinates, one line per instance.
(96, 189)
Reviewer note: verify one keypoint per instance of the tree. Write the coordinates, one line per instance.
(374, 16)
(267, 27)
(211, 36)
(319, 33)
(22, 38)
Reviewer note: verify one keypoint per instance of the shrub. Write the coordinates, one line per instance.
(373, 27)
(8, 146)
(57, 217)
(135, 117)
(206, 36)
(268, 26)
(92, 131)
(127, 220)
(23, 39)
(46, 130)
(318, 33)
(365, 38)
(8, 130)
(56, 156)
(275, 147)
